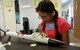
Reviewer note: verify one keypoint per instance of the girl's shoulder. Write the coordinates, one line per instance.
(61, 20)
(63, 25)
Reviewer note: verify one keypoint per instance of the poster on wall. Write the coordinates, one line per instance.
(8, 3)
(17, 12)
(36, 2)
(55, 2)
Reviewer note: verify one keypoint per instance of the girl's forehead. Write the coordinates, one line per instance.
(42, 13)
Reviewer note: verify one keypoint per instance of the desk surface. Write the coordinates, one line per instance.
(22, 44)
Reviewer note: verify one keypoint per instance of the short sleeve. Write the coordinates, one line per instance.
(65, 27)
(41, 25)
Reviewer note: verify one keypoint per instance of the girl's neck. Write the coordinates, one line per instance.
(50, 22)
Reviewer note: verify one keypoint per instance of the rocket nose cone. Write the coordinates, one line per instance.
(55, 42)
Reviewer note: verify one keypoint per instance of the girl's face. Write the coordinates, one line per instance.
(46, 17)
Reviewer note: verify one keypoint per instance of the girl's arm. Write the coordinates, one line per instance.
(65, 37)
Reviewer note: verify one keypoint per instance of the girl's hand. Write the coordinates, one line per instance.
(43, 34)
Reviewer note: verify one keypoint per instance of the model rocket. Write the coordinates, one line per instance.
(36, 36)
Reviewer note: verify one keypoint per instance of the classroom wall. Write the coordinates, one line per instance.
(2, 23)
(28, 12)
(68, 7)
(31, 14)
(58, 5)
(10, 18)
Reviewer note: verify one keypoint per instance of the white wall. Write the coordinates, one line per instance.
(10, 19)
(2, 25)
(70, 14)
(30, 13)
(66, 7)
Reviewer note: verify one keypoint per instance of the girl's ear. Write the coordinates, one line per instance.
(53, 13)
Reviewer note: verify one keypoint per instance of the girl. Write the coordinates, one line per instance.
(53, 26)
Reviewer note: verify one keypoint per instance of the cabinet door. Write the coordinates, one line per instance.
(77, 18)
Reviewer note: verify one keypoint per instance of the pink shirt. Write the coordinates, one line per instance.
(63, 27)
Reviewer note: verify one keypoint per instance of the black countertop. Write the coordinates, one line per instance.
(23, 44)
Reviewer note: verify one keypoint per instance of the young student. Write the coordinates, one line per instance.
(52, 25)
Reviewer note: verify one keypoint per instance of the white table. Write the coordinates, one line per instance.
(75, 44)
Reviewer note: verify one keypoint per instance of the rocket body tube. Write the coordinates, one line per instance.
(36, 37)
(13, 34)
